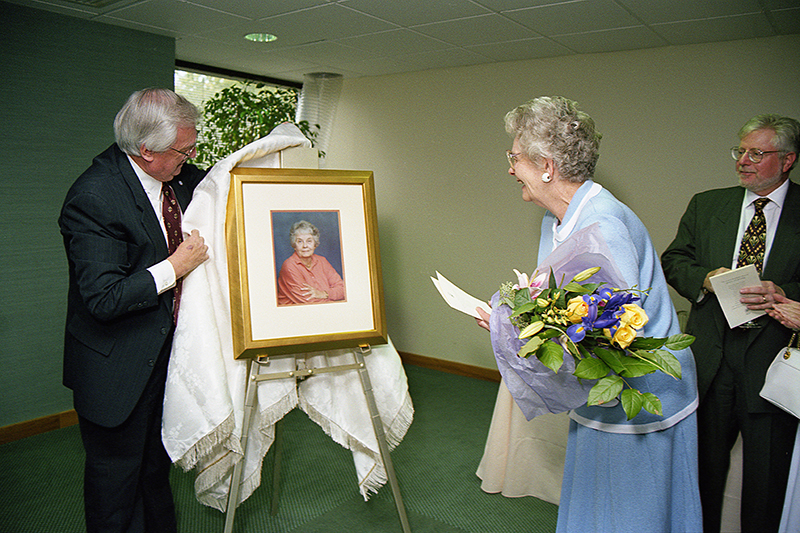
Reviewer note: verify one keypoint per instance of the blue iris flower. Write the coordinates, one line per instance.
(576, 332)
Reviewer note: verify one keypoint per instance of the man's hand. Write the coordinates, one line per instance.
(191, 253)
(707, 283)
(760, 297)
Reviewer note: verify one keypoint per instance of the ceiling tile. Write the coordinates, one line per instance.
(657, 11)
(636, 37)
(482, 29)
(716, 29)
(574, 17)
(535, 48)
(407, 13)
(395, 42)
(175, 18)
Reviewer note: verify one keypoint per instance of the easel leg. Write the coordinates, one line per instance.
(236, 476)
(276, 468)
(377, 426)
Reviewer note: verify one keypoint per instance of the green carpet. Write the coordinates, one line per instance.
(41, 477)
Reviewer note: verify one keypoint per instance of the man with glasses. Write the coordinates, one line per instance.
(127, 255)
(757, 222)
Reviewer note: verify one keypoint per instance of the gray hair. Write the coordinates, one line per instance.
(787, 131)
(553, 127)
(303, 227)
(151, 117)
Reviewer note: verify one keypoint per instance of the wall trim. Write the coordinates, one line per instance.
(451, 367)
(36, 426)
(29, 428)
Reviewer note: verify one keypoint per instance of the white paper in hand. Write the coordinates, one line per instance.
(726, 287)
(457, 298)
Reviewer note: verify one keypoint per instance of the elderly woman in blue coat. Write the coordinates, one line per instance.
(620, 475)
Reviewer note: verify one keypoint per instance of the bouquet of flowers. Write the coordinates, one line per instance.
(598, 326)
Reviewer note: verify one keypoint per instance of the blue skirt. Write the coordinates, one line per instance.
(619, 483)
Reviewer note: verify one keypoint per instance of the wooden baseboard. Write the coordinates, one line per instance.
(451, 367)
(29, 428)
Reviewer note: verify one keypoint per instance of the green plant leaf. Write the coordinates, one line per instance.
(646, 343)
(551, 354)
(605, 390)
(651, 403)
(591, 368)
(634, 367)
(679, 341)
(632, 401)
(668, 363)
(577, 288)
(612, 358)
(530, 347)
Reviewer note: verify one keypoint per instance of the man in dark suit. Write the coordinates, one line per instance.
(120, 320)
(732, 363)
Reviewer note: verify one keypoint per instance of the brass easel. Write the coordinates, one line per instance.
(301, 372)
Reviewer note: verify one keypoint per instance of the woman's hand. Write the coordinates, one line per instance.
(785, 311)
(483, 321)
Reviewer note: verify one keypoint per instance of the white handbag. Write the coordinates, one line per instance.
(782, 384)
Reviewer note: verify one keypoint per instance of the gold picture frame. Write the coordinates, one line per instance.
(261, 203)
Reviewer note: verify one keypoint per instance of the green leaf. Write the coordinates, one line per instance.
(646, 343)
(669, 363)
(577, 288)
(530, 347)
(522, 297)
(634, 367)
(551, 354)
(524, 308)
(612, 358)
(679, 342)
(553, 282)
(591, 368)
(605, 390)
(651, 403)
(632, 401)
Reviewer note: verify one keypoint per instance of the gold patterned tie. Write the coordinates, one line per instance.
(751, 252)
(171, 214)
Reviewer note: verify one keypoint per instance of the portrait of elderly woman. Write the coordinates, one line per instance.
(306, 277)
(552, 160)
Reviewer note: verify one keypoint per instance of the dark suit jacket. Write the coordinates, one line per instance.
(116, 322)
(706, 240)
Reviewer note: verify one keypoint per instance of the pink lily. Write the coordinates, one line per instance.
(534, 284)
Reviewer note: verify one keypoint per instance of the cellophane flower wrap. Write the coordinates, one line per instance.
(570, 334)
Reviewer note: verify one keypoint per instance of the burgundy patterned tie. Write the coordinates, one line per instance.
(754, 241)
(171, 214)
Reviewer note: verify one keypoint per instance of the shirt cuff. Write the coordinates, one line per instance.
(164, 275)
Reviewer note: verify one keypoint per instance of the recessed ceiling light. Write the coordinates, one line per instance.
(261, 37)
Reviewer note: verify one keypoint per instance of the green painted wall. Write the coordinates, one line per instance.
(62, 81)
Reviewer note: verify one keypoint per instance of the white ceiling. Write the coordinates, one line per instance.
(377, 37)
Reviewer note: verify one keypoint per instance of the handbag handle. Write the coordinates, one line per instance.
(788, 351)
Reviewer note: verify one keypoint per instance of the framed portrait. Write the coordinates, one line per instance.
(303, 261)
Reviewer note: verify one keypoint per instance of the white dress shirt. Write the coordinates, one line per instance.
(772, 214)
(163, 273)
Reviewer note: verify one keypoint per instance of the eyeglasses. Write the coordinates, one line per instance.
(186, 155)
(512, 157)
(753, 154)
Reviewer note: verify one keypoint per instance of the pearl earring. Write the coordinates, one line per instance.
(546, 177)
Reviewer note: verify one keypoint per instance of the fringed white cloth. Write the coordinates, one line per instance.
(204, 398)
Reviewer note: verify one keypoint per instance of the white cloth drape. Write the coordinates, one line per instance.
(204, 398)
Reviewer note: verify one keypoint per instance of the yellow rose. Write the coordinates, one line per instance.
(634, 316)
(624, 336)
(577, 309)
